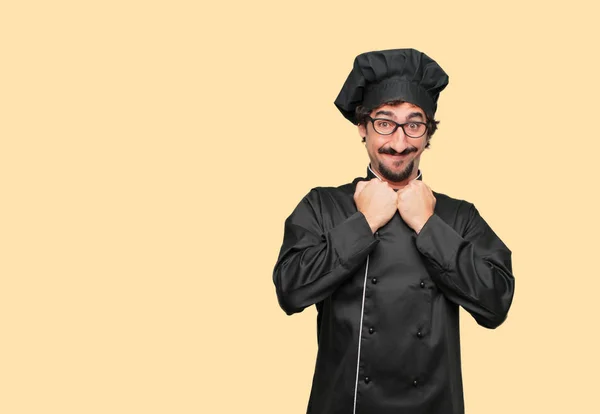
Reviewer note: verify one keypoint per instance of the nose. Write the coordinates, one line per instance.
(399, 140)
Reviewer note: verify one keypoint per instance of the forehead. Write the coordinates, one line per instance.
(399, 110)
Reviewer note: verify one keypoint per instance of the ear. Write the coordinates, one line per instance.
(362, 131)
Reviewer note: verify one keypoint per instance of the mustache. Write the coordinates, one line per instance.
(391, 151)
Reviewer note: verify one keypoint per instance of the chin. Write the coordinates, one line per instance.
(395, 168)
(404, 169)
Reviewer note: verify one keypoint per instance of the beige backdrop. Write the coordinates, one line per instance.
(151, 151)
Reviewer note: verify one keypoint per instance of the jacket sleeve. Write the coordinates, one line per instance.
(314, 261)
(473, 270)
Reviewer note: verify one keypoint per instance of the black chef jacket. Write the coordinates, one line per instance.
(388, 303)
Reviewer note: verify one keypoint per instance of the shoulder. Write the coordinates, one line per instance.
(333, 192)
(452, 203)
(322, 199)
(454, 211)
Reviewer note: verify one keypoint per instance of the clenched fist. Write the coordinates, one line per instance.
(377, 201)
(415, 203)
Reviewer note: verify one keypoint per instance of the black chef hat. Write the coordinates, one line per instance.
(386, 75)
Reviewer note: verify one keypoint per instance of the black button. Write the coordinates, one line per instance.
(420, 334)
(422, 284)
(367, 380)
(376, 234)
(415, 383)
(371, 330)
(374, 280)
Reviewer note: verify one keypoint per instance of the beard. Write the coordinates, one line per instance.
(396, 176)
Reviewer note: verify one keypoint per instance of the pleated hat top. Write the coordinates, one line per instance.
(396, 74)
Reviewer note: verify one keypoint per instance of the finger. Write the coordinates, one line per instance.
(377, 182)
(360, 186)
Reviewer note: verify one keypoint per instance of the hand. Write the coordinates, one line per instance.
(377, 201)
(415, 204)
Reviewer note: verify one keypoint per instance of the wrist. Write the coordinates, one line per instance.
(422, 223)
(373, 224)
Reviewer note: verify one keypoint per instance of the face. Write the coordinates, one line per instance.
(395, 157)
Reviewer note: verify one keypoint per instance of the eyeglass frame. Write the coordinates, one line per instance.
(399, 126)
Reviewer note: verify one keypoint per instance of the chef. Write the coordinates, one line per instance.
(386, 261)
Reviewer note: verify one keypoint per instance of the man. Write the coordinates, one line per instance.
(387, 261)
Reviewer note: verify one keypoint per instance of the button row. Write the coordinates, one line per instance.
(374, 281)
(416, 382)
(420, 334)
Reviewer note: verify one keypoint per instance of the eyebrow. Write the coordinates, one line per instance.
(412, 115)
(388, 113)
(415, 115)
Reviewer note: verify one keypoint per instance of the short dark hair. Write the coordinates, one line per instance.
(362, 116)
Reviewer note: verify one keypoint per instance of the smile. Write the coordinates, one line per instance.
(397, 156)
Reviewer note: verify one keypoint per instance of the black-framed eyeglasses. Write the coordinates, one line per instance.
(411, 129)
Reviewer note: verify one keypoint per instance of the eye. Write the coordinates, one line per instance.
(413, 126)
(384, 126)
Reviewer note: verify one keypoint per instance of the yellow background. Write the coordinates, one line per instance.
(151, 151)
